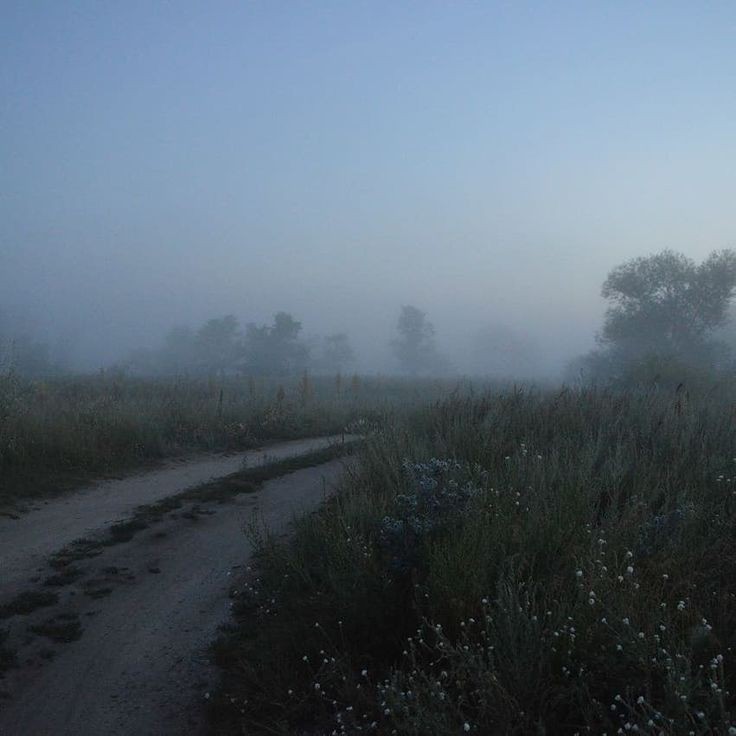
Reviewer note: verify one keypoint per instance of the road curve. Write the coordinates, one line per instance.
(141, 666)
(26, 541)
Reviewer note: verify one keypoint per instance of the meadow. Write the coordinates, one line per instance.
(60, 432)
(519, 562)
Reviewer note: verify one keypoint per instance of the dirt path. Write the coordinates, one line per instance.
(149, 609)
(27, 541)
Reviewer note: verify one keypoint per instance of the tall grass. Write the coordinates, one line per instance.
(66, 429)
(552, 563)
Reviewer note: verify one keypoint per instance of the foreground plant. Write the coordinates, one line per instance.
(519, 563)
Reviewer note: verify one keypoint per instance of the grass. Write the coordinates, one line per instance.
(67, 576)
(63, 628)
(8, 658)
(59, 433)
(27, 602)
(516, 563)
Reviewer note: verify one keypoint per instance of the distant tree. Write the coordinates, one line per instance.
(285, 327)
(666, 304)
(219, 346)
(337, 353)
(666, 320)
(415, 347)
(275, 349)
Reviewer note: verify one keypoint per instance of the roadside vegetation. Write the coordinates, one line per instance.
(516, 563)
(62, 431)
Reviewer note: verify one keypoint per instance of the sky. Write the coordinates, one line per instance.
(165, 162)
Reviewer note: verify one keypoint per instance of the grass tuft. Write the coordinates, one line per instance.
(63, 628)
(8, 658)
(27, 602)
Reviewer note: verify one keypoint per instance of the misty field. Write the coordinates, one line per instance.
(513, 563)
(62, 431)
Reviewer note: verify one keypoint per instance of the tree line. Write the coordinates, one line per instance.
(668, 319)
(222, 347)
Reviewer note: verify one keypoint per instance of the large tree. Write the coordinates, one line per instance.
(667, 305)
(219, 344)
(415, 348)
(275, 349)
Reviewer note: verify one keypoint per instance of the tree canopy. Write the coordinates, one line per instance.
(665, 319)
(415, 347)
(275, 349)
(220, 346)
(666, 303)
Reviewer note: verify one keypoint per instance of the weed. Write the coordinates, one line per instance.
(66, 576)
(80, 549)
(124, 531)
(94, 592)
(8, 657)
(27, 602)
(62, 628)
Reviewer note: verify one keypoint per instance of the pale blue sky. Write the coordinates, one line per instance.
(161, 162)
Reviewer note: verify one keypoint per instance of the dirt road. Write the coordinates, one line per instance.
(145, 613)
(26, 542)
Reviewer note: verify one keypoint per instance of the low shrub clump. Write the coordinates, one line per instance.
(518, 563)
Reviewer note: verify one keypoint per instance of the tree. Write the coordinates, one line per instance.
(337, 353)
(415, 348)
(666, 304)
(275, 349)
(219, 345)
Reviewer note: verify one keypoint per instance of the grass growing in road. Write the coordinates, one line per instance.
(27, 602)
(550, 563)
(63, 628)
(8, 658)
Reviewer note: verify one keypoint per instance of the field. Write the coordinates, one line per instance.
(516, 563)
(65, 431)
(495, 560)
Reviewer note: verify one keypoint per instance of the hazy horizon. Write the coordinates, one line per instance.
(166, 163)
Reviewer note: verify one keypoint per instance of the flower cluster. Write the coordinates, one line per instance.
(439, 493)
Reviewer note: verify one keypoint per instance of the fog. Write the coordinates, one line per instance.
(164, 164)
